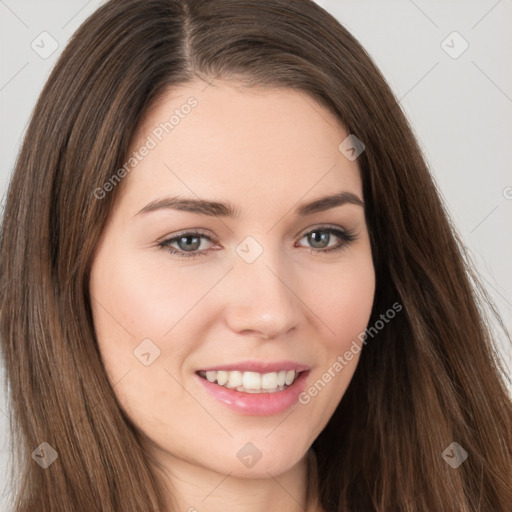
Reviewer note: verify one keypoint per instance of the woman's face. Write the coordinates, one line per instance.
(249, 292)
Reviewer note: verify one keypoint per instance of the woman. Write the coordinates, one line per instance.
(229, 281)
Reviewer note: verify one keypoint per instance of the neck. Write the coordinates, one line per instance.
(197, 489)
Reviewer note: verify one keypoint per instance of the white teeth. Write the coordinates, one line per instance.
(222, 378)
(269, 380)
(235, 379)
(252, 382)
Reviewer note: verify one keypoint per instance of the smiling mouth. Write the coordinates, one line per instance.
(252, 382)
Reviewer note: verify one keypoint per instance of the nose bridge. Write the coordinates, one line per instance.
(261, 299)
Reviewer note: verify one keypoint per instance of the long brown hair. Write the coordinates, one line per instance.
(430, 378)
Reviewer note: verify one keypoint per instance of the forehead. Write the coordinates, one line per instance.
(227, 140)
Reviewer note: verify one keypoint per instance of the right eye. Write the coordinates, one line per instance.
(188, 244)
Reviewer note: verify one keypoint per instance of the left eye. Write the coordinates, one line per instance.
(319, 236)
(189, 243)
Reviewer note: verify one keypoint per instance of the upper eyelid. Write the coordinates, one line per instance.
(204, 233)
(320, 228)
(193, 231)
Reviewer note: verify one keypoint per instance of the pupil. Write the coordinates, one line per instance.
(314, 240)
(192, 247)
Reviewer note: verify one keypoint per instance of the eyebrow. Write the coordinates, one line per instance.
(218, 209)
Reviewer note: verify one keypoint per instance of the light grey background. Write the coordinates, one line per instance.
(460, 108)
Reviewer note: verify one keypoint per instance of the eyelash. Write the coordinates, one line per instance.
(345, 236)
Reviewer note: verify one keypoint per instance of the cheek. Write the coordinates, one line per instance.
(135, 304)
(141, 299)
(343, 301)
(143, 306)
(344, 307)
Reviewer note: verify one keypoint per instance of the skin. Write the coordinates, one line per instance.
(266, 151)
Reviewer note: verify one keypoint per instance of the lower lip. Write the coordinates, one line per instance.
(257, 404)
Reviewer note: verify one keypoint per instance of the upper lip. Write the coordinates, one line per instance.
(259, 366)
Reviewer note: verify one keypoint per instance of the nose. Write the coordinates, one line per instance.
(259, 298)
